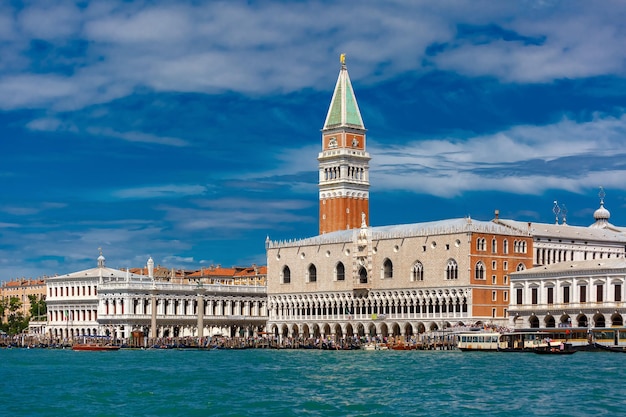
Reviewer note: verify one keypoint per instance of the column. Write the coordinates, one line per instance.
(153, 322)
(200, 325)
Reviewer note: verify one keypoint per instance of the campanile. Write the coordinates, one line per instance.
(344, 161)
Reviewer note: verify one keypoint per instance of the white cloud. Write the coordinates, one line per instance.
(275, 47)
(160, 191)
(502, 161)
(52, 124)
(138, 137)
(50, 21)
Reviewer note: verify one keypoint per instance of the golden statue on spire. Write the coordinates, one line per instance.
(342, 59)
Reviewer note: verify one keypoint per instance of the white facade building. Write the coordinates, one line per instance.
(573, 293)
(72, 301)
(105, 301)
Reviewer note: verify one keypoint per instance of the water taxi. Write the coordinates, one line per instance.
(478, 341)
(530, 340)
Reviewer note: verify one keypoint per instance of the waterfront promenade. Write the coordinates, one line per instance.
(434, 341)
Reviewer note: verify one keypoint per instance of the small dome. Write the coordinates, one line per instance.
(101, 260)
(601, 213)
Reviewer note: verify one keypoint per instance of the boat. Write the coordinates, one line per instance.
(478, 341)
(375, 346)
(402, 346)
(94, 347)
(561, 349)
(601, 347)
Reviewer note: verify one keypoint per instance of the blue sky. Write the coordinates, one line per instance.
(189, 131)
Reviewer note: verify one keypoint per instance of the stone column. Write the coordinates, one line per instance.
(200, 301)
(153, 321)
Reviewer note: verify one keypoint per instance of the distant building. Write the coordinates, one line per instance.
(73, 301)
(587, 293)
(561, 242)
(121, 304)
(21, 289)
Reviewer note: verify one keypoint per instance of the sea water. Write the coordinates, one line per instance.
(48, 382)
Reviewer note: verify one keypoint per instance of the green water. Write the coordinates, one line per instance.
(41, 382)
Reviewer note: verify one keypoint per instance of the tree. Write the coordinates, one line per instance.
(16, 320)
(38, 305)
(4, 305)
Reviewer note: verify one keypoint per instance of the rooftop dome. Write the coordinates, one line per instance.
(101, 259)
(601, 213)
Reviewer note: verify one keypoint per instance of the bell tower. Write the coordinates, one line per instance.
(344, 161)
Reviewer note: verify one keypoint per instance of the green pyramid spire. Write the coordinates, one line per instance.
(344, 110)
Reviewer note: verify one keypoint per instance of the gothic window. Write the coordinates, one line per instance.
(452, 270)
(312, 273)
(494, 245)
(417, 272)
(340, 272)
(520, 267)
(479, 271)
(363, 275)
(481, 244)
(387, 269)
(505, 246)
(286, 275)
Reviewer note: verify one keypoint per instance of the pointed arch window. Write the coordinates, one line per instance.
(340, 272)
(417, 272)
(363, 275)
(494, 245)
(452, 270)
(520, 267)
(286, 275)
(479, 270)
(505, 246)
(387, 269)
(312, 272)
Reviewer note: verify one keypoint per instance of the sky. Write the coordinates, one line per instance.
(188, 131)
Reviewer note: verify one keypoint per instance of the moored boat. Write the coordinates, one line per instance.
(478, 341)
(94, 347)
(402, 346)
(375, 346)
(605, 348)
(561, 349)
